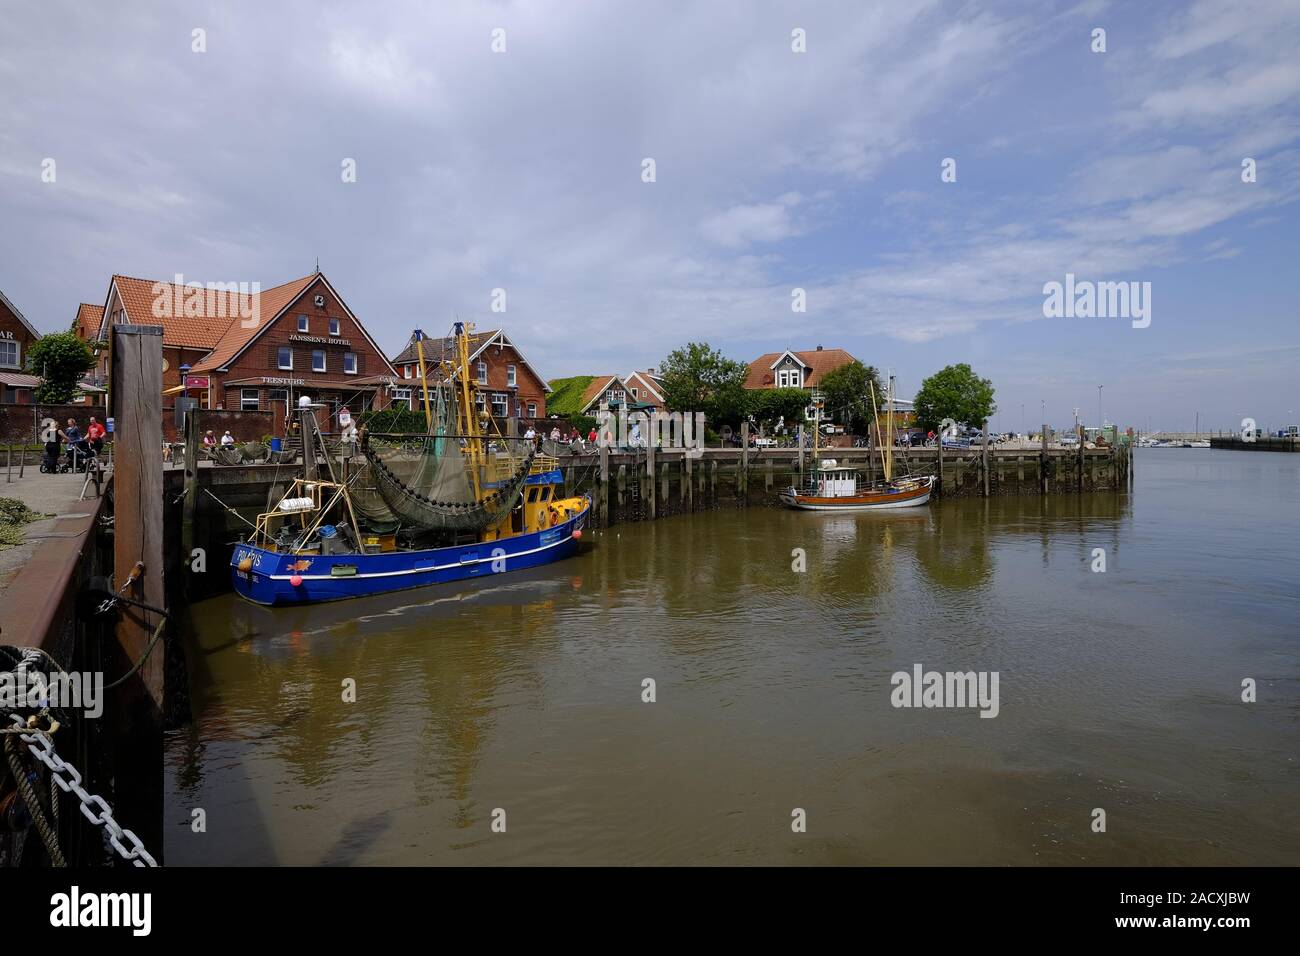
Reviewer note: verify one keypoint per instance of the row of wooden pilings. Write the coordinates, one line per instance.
(638, 483)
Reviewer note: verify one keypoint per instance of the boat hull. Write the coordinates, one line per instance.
(866, 501)
(336, 577)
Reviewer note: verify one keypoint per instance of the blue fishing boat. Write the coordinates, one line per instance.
(455, 503)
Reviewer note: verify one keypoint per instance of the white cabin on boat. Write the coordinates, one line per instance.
(834, 483)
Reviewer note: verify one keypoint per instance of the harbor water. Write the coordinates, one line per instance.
(771, 637)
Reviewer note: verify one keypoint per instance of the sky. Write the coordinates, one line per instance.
(503, 146)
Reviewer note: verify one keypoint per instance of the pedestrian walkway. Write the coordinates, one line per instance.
(54, 495)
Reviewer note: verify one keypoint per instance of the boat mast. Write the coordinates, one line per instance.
(875, 414)
(424, 384)
(889, 419)
(473, 444)
(817, 427)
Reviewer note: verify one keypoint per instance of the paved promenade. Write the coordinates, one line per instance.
(54, 495)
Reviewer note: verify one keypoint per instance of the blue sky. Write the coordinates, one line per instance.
(775, 170)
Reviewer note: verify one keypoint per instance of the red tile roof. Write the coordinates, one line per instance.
(145, 299)
(817, 361)
(269, 304)
(89, 319)
(597, 387)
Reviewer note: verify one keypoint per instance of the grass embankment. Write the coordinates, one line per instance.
(566, 395)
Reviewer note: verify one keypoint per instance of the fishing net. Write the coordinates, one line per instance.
(444, 482)
(366, 499)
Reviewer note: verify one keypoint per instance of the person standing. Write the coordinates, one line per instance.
(95, 435)
(72, 435)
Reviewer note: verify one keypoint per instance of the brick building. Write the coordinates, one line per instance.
(17, 335)
(257, 350)
(503, 381)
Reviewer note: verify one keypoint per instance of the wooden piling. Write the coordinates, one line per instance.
(742, 480)
(604, 484)
(1042, 462)
(652, 508)
(984, 460)
(191, 485)
(137, 706)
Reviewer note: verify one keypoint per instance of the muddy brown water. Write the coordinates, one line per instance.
(1119, 690)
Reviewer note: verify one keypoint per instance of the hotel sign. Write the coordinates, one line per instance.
(319, 340)
(6, 335)
(269, 380)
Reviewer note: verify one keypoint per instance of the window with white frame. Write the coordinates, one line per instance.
(304, 324)
(406, 371)
(334, 326)
(349, 363)
(401, 396)
(285, 357)
(10, 354)
(480, 399)
(482, 372)
(532, 409)
(499, 407)
(510, 376)
(250, 399)
(318, 360)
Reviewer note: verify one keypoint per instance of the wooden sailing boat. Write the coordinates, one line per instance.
(830, 487)
(451, 504)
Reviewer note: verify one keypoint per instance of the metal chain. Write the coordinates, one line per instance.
(42, 748)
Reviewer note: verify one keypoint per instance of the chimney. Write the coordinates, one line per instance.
(819, 348)
(650, 370)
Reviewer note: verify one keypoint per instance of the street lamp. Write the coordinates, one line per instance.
(1099, 419)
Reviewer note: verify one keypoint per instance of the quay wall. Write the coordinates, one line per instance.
(1234, 443)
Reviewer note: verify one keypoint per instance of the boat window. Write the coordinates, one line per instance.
(532, 494)
(546, 494)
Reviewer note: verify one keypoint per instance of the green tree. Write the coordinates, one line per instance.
(769, 405)
(848, 395)
(954, 392)
(700, 379)
(60, 359)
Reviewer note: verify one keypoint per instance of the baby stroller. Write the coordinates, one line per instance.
(54, 462)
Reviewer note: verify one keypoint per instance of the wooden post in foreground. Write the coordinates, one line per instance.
(136, 708)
